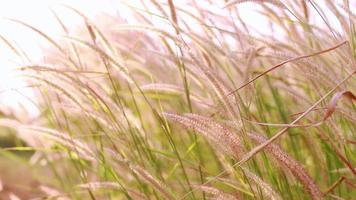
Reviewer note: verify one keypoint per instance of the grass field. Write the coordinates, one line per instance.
(190, 103)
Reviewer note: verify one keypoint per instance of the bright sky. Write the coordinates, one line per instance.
(38, 14)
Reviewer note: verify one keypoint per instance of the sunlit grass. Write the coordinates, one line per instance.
(203, 107)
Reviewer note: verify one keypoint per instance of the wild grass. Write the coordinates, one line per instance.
(193, 103)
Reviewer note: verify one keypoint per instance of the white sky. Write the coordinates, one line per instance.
(37, 13)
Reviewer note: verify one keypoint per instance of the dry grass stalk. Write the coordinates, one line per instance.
(334, 185)
(173, 12)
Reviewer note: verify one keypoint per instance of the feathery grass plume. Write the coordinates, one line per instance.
(226, 133)
(222, 92)
(221, 137)
(137, 195)
(99, 117)
(14, 49)
(141, 173)
(13, 196)
(308, 67)
(147, 177)
(82, 93)
(100, 185)
(53, 193)
(39, 158)
(30, 139)
(292, 165)
(159, 88)
(75, 145)
(216, 193)
(273, 2)
(265, 187)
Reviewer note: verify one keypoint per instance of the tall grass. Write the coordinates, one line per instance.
(169, 105)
